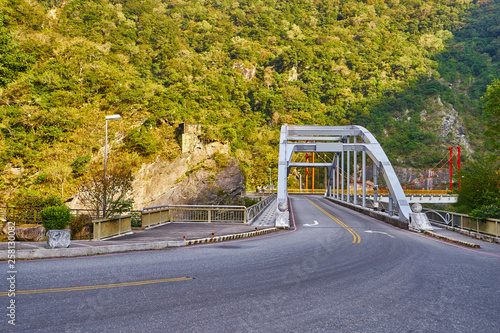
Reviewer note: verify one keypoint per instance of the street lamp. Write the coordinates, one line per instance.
(270, 181)
(112, 117)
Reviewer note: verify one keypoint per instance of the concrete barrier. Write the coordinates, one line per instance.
(395, 221)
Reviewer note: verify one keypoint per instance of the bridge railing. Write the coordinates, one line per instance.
(192, 213)
(202, 213)
(464, 221)
(254, 211)
(371, 192)
(32, 215)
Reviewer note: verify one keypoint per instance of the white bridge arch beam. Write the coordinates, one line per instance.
(332, 139)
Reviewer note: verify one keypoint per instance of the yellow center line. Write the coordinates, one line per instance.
(354, 234)
(101, 286)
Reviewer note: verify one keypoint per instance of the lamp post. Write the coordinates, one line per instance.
(112, 117)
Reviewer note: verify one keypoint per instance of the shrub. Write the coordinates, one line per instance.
(56, 217)
(78, 165)
(78, 225)
(29, 198)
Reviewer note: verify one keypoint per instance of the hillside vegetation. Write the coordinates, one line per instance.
(239, 68)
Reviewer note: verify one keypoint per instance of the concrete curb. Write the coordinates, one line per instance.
(472, 234)
(42, 253)
(384, 217)
(230, 237)
(451, 240)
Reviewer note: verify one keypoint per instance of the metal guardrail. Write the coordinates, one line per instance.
(21, 215)
(202, 213)
(155, 215)
(464, 221)
(31, 215)
(380, 191)
(192, 213)
(254, 211)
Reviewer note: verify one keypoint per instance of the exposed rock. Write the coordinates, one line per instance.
(82, 227)
(58, 238)
(293, 75)
(35, 234)
(247, 71)
(5, 229)
(205, 187)
(444, 119)
(175, 182)
(425, 179)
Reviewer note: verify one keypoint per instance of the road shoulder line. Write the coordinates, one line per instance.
(451, 240)
(230, 237)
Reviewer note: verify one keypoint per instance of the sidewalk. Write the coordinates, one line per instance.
(156, 238)
(460, 236)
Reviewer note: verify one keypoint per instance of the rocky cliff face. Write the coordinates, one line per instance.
(444, 119)
(205, 176)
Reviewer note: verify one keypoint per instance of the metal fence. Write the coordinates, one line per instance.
(203, 213)
(154, 215)
(31, 215)
(464, 221)
(254, 211)
(21, 215)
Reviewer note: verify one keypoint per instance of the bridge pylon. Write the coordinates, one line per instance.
(342, 141)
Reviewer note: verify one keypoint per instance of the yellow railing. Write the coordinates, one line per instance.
(112, 226)
(369, 192)
(296, 190)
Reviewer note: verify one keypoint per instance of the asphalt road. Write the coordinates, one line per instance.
(338, 271)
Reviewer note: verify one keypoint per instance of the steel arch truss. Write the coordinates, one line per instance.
(340, 140)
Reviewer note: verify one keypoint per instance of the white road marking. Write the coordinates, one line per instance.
(379, 232)
(311, 225)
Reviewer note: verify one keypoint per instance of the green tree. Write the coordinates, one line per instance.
(110, 196)
(492, 114)
(12, 59)
(480, 188)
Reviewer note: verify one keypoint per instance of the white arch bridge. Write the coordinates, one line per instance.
(345, 142)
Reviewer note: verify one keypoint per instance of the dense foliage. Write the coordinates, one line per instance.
(239, 68)
(56, 217)
(479, 195)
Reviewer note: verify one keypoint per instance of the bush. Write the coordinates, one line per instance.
(56, 217)
(81, 227)
(29, 198)
(486, 212)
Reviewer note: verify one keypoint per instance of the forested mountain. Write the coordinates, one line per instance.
(241, 69)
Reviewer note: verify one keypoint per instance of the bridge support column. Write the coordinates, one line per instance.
(331, 179)
(375, 185)
(282, 215)
(348, 175)
(342, 178)
(363, 161)
(337, 158)
(391, 206)
(355, 174)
